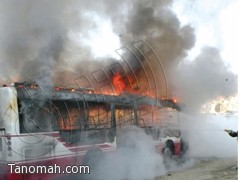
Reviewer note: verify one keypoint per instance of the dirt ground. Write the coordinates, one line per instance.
(218, 169)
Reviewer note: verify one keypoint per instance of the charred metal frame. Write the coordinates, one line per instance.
(128, 101)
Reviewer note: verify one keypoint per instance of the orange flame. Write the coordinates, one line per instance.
(118, 83)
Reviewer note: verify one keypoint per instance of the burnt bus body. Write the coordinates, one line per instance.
(59, 126)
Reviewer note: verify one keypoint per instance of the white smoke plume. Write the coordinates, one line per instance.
(136, 158)
(206, 137)
(207, 77)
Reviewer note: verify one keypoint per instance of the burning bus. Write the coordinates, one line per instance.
(73, 126)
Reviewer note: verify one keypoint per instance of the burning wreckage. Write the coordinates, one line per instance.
(68, 126)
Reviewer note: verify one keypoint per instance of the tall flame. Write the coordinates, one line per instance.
(118, 83)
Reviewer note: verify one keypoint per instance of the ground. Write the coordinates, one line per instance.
(218, 169)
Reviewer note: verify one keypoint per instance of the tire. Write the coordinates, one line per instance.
(168, 150)
(184, 148)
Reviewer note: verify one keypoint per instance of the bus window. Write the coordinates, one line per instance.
(99, 115)
(68, 115)
(124, 116)
(145, 116)
(98, 127)
(35, 116)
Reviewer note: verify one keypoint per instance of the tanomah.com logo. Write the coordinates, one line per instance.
(53, 169)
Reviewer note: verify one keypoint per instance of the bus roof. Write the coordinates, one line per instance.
(34, 92)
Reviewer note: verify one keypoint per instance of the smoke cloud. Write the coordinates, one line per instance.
(36, 39)
(46, 41)
(205, 78)
(206, 137)
(41, 38)
(136, 158)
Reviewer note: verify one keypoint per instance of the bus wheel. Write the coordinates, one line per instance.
(168, 150)
(184, 147)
